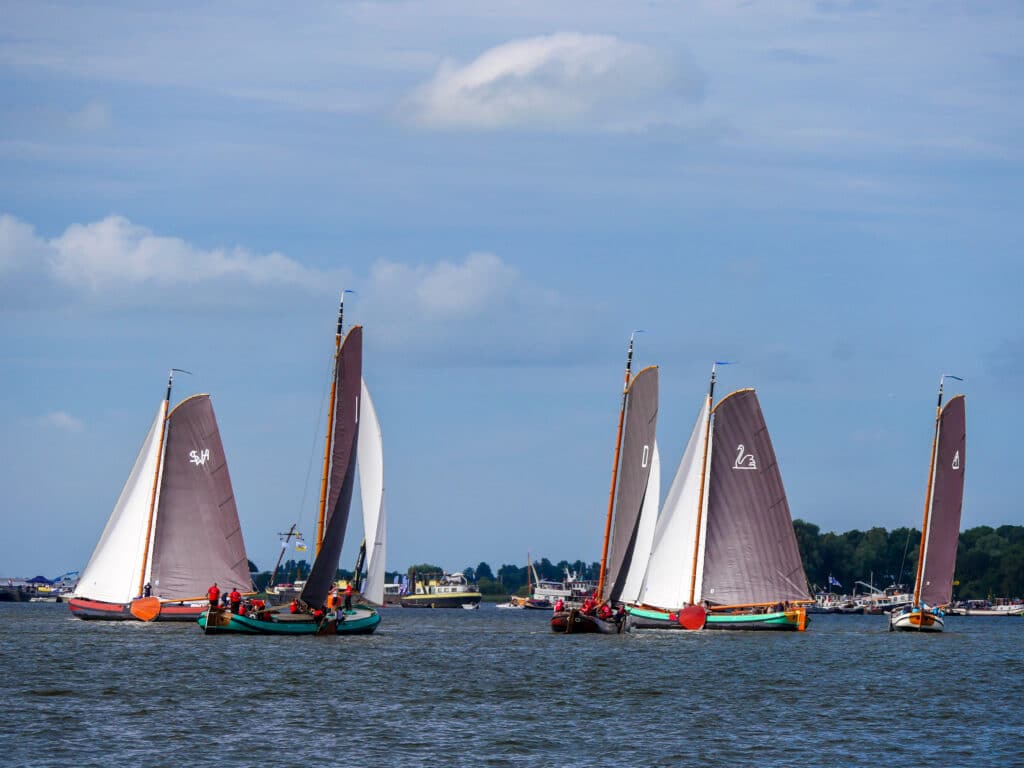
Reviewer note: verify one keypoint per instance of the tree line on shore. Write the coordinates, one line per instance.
(989, 563)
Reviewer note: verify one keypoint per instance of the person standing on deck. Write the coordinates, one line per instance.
(236, 600)
(348, 596)
(214, 594)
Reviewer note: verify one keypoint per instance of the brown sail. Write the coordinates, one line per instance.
(348, 373)
(751, 554)
(197, 539)
(634, 471)
(946, 502)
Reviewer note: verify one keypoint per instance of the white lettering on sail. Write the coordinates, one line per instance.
(744, 460)
(956, 460)
(199, 457)
(647, 451)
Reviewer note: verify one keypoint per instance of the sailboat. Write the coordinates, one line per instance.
(631, 471)
(940, 530)
(724, 553)
(174, 529)
(347, 410)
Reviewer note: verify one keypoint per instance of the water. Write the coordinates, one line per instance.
(497, 688)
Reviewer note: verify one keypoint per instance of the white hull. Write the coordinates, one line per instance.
(916, 621)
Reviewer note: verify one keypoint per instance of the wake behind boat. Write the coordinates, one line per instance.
(940, 529)
(352, 428)
(174, 528)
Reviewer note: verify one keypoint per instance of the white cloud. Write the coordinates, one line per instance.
(63, 421)
(565, 80)
(94, 116)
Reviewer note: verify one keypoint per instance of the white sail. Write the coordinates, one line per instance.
(644, 532)
(371, 485)
(112, 573)
(669, 568)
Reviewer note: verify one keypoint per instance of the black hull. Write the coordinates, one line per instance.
(574, 622)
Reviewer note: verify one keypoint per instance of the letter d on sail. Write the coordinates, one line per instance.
(956, 460)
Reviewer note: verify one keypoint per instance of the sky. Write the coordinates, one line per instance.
(827, 193)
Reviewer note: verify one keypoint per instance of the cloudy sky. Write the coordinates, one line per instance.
(829, 193)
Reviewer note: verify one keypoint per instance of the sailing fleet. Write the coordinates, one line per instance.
(719, 552)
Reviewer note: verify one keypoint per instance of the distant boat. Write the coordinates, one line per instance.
(471, 606)
(724, 553)
(347, 408)
(634, 454)
(940, 529)
(174, 529)
(448, 590)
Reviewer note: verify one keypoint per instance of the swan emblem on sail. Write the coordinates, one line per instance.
(956, 460)
(744, 460)
(199, 458)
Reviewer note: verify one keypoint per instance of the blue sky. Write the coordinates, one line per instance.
(827, 192)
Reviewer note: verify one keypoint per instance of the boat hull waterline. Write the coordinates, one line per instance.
(98, 610)
(453, 600)
(575, 622)
(793, 620)
(916, 620)
(360, 620)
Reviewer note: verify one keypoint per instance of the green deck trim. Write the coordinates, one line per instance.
(243, 625)
(775, 617)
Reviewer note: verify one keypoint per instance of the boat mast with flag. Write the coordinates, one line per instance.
(349, 420)
(940, 529)
(724, 552)
(174, 529)
(635, 452)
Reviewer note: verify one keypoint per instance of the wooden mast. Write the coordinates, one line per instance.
(615, 472)
(928, 499)
(156, 481)
(284, 545)
(330, 428)
(703, 478)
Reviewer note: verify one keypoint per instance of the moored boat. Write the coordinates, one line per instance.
(448, 590)
(174, 529)
(940, 528)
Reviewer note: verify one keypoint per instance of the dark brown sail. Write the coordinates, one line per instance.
(751, 554)
(946, 502)
(634, 471)
(197, 539)
(348, 373)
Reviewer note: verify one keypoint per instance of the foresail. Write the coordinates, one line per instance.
(112, 573)
(670, 567)
(946, 502)
(751, 554)
(348, 375)
(197, 539)
(644, 533)
(634, 471)
(371, 488)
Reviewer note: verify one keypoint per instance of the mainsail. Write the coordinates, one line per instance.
(371, 489)
(197, 538)
(644, 533)
(750, 554)
(341, 478)
(634, 472)
(112, 573)
(667, 582)
(943, 521)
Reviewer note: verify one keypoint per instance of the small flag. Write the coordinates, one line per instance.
(833, 581)
(300, 545)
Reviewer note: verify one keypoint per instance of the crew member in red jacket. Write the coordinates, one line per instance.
(348, 596)
(236, 600)
(214, 594)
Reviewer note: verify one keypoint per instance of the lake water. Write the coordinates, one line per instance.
(497, 688)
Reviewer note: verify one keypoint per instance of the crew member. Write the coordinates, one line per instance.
(236, 600)
(604, 612)
(348, 596)
(333, 601)
(559, 605)
(294, 607)
(214, 594)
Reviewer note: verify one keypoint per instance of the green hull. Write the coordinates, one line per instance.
(645, 618)
(359, 621)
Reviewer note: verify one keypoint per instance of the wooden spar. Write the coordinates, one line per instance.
(287, 537)
(330, 430)
(928, 500)
(615, 473)
(700, 493)
(156, 479)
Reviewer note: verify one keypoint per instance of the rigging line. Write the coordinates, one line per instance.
(316, 436)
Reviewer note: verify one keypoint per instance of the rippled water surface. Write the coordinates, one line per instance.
(497, 688)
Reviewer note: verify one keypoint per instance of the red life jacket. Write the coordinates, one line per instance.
(235, 596)
(214, 594)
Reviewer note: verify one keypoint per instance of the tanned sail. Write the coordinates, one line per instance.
(197, 537)
(939, 549)
(644, 533)
(634, 472)
(750, 555)
(348, 376)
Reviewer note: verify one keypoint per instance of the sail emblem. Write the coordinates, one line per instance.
(199, 458)
(956, 460)
(744, 460)
(646, 456)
